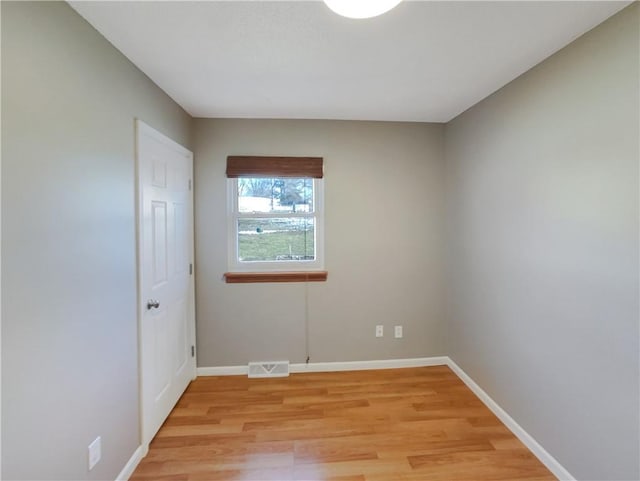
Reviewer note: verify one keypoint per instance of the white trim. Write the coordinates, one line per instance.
(140, 129)
(223, 371)
(132, 464)
(368, 365)
(233, 214)
(332, 366)
(542, 454)
(144, 128)
(545, 458)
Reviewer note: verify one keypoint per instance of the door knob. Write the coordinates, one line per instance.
(151, 304)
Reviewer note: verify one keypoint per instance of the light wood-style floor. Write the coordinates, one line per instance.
(413, 424)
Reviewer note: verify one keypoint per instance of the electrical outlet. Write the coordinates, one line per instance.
(398, 332)
(379, 331)
(95, 452)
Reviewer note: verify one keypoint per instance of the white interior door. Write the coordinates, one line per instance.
(166, 288)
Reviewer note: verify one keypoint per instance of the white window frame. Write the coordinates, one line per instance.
(234, 214)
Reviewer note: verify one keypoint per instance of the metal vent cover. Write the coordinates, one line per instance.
(269, 369)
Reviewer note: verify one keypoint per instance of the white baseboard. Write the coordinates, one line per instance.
(549, 461)
(332, 366)
(132, 464)
(367, 365)
(222, 371)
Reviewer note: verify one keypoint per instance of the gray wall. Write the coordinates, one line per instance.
(384, 250)
(69, 345)
(542, 188)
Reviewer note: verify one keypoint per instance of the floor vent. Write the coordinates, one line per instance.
(269, 369)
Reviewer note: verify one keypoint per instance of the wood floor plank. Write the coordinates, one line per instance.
(161, 442)
(481, 465)
(412, 424)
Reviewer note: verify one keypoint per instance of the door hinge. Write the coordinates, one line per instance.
(190, 269)
(189, 184)
(193, 351)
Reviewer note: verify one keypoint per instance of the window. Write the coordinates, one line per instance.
(275, 214)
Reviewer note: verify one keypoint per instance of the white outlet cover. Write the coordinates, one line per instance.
(95, 452)
(379, 331)
(398, 332)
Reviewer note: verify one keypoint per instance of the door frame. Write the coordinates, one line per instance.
(143, 128)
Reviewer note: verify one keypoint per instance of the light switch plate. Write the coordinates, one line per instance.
(398, 332)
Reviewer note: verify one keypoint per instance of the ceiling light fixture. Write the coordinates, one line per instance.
(361, 8)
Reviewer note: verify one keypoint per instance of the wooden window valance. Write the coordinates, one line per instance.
(256, 166)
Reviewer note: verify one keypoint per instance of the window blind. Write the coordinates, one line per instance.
(258, 166)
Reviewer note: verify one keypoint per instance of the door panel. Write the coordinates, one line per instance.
(181, 337)
(181, 238)
(159, 242)
(166, 290)
(159, 172)
(162, 374)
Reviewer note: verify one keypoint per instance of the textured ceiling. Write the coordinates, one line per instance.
(423, 61)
